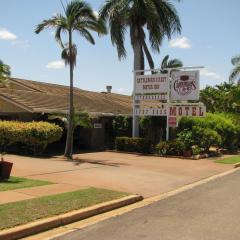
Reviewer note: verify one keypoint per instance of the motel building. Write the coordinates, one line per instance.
(26, 100)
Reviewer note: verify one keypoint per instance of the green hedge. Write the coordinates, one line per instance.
(225, 128)
(175, 148)
(128, 144)
(35, 136)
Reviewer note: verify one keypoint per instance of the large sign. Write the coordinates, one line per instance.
(184, 85)
(152, 86)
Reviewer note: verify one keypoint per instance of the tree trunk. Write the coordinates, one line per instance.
(69, 142)
(148, 55)
(138, 65)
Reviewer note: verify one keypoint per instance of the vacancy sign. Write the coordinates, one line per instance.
(184, 85)
(152, 87)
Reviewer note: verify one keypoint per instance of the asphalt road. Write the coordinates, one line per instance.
(208, 212)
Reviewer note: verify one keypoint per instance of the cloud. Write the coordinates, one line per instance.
(96, 14)
(181, 42)
(210, 74)
(120, 90)
(55, 65)
(6, 35)
(21, 44)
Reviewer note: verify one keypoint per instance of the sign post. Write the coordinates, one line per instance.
(166, 95)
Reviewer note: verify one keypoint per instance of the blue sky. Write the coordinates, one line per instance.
(210, 37)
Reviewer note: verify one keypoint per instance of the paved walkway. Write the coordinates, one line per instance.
(208, 212)
(145, 175)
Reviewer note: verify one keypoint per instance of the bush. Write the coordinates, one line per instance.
(225, 127)
(196, 150)
(175, 148)
(122, 125)
(35, 136)
(187, 139)
(128, 144)
(205, 138)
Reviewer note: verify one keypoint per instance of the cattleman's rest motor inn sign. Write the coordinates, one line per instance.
(164, 95)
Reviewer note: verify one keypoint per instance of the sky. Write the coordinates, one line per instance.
(210, 38)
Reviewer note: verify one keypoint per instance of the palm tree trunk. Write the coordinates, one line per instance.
(138, 65)
(148, 55)
(69, 141)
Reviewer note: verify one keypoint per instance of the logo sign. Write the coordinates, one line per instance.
(185, 85)
(188, 110)
(157, 84)
(172, 122)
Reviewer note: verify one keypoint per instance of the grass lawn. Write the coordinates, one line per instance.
(230, 160)
(18, 213)
(17, 183)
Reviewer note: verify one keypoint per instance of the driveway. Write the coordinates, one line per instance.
(145, 175)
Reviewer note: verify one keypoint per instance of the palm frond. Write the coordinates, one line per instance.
(236, 60)
(234, 74)
(67, 57)
(164, 63)
(53, 22)
(5, 73)
(87, 35)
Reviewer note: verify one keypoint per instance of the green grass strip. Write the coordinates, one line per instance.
(18, 213)
(17, 183)
(230, 160)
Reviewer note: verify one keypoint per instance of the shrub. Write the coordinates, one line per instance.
(170, 148)
(34, 136)
(122, 125)
(205, 138)
(225, 127)
(186, 138)
(196, 150)
(128, 144)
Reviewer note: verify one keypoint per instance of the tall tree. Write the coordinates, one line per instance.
(235, 74)
(78, 17)
(5, 72)
(158, 17)
(172, 63)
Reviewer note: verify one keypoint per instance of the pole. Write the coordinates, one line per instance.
(168, 101)
(167, 130)
(135, 124)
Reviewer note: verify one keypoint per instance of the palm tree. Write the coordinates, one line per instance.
(78, 17)
(158, 17)
(173, 63)
(5, 72)
(236, 70)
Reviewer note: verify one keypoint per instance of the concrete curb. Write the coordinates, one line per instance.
(67, 218)
(237, 165)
